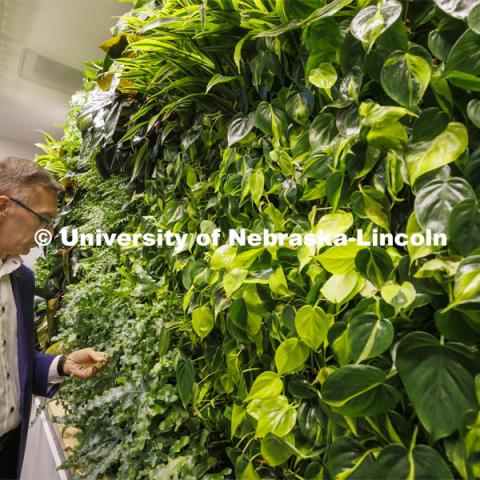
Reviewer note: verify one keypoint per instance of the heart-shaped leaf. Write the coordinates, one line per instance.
(369, 336)
(312, 325)
(370, 22)
(240, 126)
(435, 201)
(405, 78)
(202, 321)
(422, 157)
(266, 385)
(359, 390)
(457, 8)
(464, 226)
(395, 461)
(290, 356)
(439, 380)
(273, 415)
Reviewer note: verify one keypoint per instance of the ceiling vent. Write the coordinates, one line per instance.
(49, 72)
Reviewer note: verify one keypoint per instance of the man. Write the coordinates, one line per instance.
(28, 202)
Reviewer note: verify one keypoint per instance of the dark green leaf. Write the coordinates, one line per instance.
(185, 380)
(438, 379)
(375, 264)
(435, 201)
(422, 462)
(359, 390)
(369, 336)
(464, 226)
(405, 78)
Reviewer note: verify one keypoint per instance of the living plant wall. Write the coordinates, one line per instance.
(296, 362)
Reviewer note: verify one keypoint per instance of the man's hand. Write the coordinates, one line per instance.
(84, 363)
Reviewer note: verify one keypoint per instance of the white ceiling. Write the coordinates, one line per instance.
(68, 31)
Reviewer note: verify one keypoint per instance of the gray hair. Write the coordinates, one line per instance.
(19, 174)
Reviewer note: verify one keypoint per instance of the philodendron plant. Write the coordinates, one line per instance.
(321, 361)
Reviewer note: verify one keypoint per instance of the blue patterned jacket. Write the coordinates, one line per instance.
(32, 366)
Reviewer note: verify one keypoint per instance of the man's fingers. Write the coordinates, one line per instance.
(98, 356)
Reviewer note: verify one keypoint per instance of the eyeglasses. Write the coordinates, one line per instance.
(46, 222)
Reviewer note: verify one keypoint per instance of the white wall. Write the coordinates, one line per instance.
(17, 149)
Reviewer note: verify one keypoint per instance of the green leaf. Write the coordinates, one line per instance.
(324, 77)
(233, 280)
(466, 81)
(422, 157)
(270, 120)
(359, 390)
(442, 93)
(278, 283)
(464, 226)
(238, 414)
(442, 38)
(369, 336)
(340, 259)
(457, 326)
(395, 173)
(370, 22)
(473, 112)
(335, 189)
(334, 224)
(375, 210)
(237, 53)
(240, 126)
(248, 473)
(299, 105)
(436, 199)
(439, 380)
(255, 309)
(275, 450)
(431, 122)
(237, 320)
(312, 325)
(322, 12)
(339, 288)
(437, 265)
(416, 251)
(474, 18)
(348, 460)
(256, 183)
(311, 419)
(375, 264)
(372, 204)
(466, 289)
(223, 257)
(395, 461)
(218, 79)
(399, 296)
(266, 385)
(185, 380)
(465, 54)
(290, 356)
(273, 415)
(457, 8)
(405, 78)
(383, 126)
(202, 321)
(337, 337)
(322, 132)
